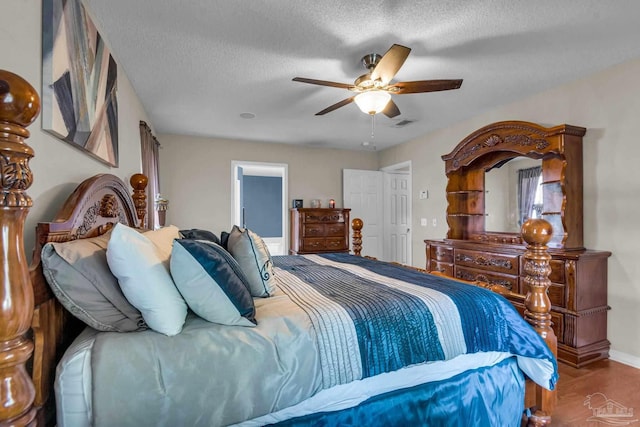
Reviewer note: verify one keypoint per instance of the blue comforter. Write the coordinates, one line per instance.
(376, 317)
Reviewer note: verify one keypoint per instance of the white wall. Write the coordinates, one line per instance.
(57, 166)
(196, 175)
(608, 105)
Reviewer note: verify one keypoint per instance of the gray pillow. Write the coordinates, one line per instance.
(254, 259)
(79, 276)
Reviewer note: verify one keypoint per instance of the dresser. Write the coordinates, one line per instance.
(316, 230)
(578, 290)
(474, 250)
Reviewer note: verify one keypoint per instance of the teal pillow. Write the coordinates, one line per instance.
(253, 257)
(212, 283)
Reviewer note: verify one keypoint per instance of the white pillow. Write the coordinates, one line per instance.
(163, 239)
(253, 257)
(145, 280)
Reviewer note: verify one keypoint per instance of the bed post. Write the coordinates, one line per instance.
(537, 232)
(19, 106)
(356, 225)
(139, 183)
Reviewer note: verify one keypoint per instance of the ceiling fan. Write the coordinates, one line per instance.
(374, 89)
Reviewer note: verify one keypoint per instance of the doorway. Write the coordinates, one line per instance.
(382, 199)
(258, 202)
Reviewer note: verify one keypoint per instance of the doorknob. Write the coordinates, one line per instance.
(408, 230)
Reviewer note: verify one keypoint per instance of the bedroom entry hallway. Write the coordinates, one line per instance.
(258, 201)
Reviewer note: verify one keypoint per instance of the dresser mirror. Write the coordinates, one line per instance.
(480, 213)
(501, 199)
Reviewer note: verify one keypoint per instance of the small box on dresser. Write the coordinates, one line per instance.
(317, 230)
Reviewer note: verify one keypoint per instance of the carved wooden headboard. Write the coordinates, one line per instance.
(92, 209)
(34, 328)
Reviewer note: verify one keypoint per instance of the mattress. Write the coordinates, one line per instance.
(74, 383)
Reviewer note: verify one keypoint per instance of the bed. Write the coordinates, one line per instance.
(335, 341)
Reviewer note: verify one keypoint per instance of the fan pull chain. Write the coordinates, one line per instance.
(373, 125)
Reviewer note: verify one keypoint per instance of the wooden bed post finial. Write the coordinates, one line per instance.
(19, 107)
(356, 225)
(139, 183)
(537, 233)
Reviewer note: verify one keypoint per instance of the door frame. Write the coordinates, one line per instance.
(261, 169)
(404, 167)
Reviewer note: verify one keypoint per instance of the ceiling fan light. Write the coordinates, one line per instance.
(372, 102)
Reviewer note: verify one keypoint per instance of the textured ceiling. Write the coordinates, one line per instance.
(198, 64)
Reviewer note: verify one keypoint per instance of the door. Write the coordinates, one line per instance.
(397, 217)
(259, 201)
(362, 193)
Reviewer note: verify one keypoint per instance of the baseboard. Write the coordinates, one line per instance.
(626, 358)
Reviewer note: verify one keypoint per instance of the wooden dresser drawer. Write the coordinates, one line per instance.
(335, 230)
(313, 230)
(471, 274)
(442, 267)
(312, 244)
(334, 216)
(441, 253)
(334, 244)
(487, 260)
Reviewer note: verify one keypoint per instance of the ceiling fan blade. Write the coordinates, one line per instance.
(391, 110)
(336, 106)
(323, 83)
(424, 86)
(390, 63)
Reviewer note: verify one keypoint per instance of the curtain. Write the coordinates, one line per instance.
(150, 147)
(527, 186)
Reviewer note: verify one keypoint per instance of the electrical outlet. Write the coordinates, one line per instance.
(424, 194)
(434, 222)
(423, 222)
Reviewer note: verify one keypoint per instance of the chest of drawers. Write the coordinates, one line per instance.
(578, 290)
(315, 230)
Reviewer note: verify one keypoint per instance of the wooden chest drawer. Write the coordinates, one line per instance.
(313, 230)
(442, 267)
(334, 216)
(472, 275)
(441, 253)
(487, 260)
(334, 244)
(335, 230)
(312, 244)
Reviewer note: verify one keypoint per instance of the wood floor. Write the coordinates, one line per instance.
(619, 383)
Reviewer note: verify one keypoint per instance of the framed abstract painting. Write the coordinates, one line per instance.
(79, 81)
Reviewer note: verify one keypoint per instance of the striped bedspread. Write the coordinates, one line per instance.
(372, 317)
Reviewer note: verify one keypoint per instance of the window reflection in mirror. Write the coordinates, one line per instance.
(502, 212)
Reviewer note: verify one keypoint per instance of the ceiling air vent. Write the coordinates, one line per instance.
(402, 123)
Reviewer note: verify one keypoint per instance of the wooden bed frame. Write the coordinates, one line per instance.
(35, 329)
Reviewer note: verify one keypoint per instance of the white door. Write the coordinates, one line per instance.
(397, 217)
(362, 193)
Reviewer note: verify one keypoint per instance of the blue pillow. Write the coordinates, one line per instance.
(198, 234)
(212, 283)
